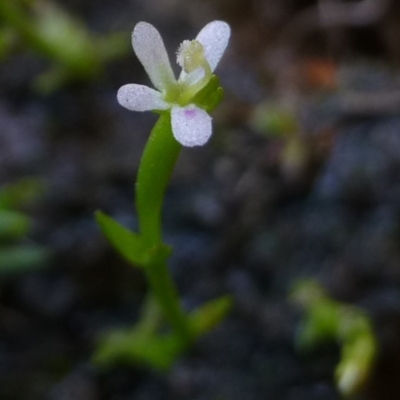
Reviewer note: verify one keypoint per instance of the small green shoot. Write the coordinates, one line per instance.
(330, 320)
(17, 255)
(51, 32)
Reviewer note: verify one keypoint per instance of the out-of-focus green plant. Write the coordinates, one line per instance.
(165, 329)
(51, 32)
(16, 253)
(281, 124)
(274, 120)
(8, 40)
(326, 320)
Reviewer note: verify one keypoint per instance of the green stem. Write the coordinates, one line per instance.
(157, 164)
(165, 292)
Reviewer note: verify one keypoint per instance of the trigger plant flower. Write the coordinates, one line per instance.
(198, 58)
(183, 104)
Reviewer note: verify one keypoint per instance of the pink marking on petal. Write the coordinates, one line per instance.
(190, 113)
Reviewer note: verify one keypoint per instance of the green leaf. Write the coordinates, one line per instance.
(210, 96)
(159, 351)
(271, 120)
(13, 225)
(143, 344)
(21, 193)
(8, 39)
(210, 314)
(65, 40)
(22, 258)
(129, 244)
(126, 242)
(143, 348)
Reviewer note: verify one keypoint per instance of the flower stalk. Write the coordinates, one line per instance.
(156, 167)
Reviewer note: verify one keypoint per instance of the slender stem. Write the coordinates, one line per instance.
(158, 161)
(165, 292)
(151, 315)
(156, 166)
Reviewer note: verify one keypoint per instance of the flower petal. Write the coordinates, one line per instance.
(150, 50)
(191, 125)
(214, 37)
(140, 98)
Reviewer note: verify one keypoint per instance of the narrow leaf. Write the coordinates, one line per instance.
(127, 346)
(126, 242)
(13, 225)
(210, 314)
(130, 245)
(22, 258)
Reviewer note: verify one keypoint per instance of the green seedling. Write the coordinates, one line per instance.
(165, 329)
(272, 120)
(50, 31)
(282, 125)
(17, 254)
(8, 41)
(325, 320)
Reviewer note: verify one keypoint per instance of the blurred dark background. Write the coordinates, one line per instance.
(300, 180)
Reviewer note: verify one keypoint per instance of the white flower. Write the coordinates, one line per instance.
(191, 125)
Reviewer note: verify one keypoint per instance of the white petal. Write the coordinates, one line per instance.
(214, 37)
(140, 98)
(191, 125)
(150, 50)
